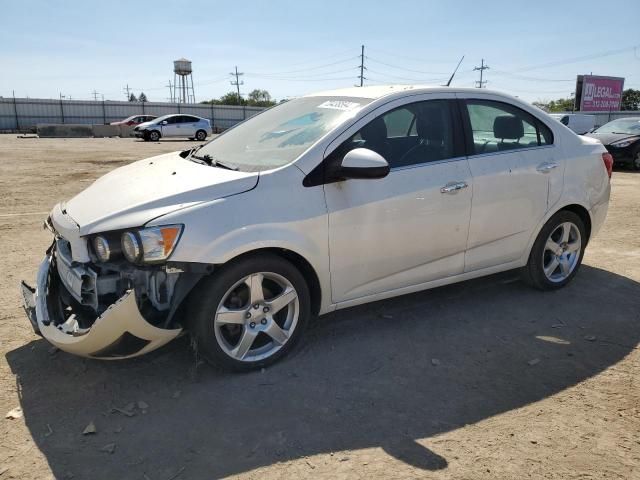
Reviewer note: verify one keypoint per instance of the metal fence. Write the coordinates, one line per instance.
(22, 114)
(605, 117)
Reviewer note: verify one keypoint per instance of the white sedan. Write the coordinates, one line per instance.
(189, 126)
(321, 203)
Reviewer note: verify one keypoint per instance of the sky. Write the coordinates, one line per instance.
(534, 49)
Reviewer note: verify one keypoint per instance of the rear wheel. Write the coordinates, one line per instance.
(557, 252)
(250, 313)
(201, 135)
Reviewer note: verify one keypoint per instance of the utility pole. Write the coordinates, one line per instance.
(481, 68)
(362, 79)
(170, 91)
(127, 91)
(236, 83)
(95, 95)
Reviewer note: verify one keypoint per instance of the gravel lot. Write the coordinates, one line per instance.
(482, 380)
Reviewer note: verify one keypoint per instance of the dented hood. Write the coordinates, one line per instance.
(132, 195)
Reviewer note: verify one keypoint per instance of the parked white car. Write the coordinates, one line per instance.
(323, 202)
(580, 123)
(189, 126)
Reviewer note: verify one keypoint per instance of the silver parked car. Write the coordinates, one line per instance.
(176, 125)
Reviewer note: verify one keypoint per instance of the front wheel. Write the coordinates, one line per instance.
(250, 313)
(154, 135)
(557, 252)
(635, 164)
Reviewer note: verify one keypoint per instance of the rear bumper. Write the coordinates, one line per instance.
(120, 332)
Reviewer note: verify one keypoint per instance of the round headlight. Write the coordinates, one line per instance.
(131, 247)
(101, 248)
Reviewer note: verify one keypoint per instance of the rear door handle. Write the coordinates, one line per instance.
(453, 187)
(546, 167)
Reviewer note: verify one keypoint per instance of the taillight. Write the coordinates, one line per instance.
(608, 162)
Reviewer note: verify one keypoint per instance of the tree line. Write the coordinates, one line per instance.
(255, 98)
(630, 101)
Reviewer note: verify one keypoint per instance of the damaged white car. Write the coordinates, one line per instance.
(323, 202)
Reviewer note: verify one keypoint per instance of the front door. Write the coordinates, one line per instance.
(410, 227)
(172, 128)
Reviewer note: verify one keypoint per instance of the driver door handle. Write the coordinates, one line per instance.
(546, 167)
(453, 187)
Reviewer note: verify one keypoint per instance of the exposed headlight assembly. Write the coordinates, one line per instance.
(150, 245)
(624, 143)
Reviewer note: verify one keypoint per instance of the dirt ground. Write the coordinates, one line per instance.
(488, 379)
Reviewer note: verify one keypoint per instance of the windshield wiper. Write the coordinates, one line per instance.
(209, 160)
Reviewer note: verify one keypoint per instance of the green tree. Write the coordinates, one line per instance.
(260, 98)
(560, 105)
(630, 99)
(132, 98)
(142, 97)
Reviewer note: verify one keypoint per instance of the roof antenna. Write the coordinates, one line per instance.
(454, 72)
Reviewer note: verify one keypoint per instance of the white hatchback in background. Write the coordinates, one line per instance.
(321, 203)
(178, 125)
(580, 123)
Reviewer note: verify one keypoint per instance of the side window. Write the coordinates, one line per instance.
(399, 122)
(417, 133)
(498, 126)
(172, 120)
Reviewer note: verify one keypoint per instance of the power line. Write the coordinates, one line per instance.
(404, 68)
(481, 68)
(317, 67)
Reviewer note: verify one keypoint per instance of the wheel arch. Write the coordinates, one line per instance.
(302, 264)
(583, 213)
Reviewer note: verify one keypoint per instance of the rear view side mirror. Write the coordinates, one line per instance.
(164, 122)
(362, 163)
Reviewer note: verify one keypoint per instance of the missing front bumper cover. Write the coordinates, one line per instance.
(107, 331)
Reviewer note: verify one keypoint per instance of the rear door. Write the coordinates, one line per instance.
(190, 125)
(517, 175)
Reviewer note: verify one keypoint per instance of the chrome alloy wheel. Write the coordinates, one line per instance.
(256, 316)
(561, 252)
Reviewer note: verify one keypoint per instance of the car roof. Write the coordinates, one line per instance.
(380, 91)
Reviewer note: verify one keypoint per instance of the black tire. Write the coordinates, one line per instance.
(211, 291)
(533, 273)
(635, 159)
(201, 135)
(154, 135)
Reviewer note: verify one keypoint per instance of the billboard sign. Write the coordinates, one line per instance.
(599, 94)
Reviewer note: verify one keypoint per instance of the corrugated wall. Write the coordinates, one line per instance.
(25, 113)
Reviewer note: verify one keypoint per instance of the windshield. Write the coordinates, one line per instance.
(630, 126)
(281, 134)
(159, 119)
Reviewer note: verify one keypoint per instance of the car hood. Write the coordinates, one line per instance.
(609, 138)
(132, 195)
(146, 124)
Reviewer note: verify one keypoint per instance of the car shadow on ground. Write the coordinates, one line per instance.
(382, 375)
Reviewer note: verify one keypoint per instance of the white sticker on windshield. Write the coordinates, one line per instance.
(339, 105)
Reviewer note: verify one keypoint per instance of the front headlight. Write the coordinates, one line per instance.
(101, 248)
(624, 143)
(150, 245)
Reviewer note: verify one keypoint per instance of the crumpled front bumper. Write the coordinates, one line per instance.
(120, 332)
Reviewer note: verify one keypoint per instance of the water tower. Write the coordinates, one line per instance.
(183, 81)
